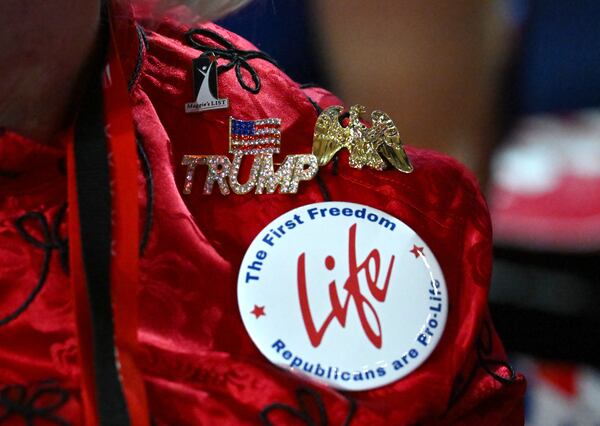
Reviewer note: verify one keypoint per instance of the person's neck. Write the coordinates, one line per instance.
(45, 49)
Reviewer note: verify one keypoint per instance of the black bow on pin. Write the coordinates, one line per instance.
(238, 58)
(51, 240)
(41, 404)
(304, 396)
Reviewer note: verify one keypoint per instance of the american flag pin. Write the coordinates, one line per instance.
(254, 137)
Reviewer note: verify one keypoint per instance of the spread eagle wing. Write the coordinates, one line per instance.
(329, 136)
(389, 144)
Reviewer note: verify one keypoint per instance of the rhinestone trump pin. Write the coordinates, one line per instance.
(262, 139)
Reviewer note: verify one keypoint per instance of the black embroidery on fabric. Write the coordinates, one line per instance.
(484, 347)
(309, 404)
(36, 402)
(147, 170)
(460, 386)
(142, 34)
(315, 105)
(51, 240)
(323, 188)
(238, 58)
(142, 44)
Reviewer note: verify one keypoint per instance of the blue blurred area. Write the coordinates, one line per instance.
(517, 10)
(281, 28)
(559, 66)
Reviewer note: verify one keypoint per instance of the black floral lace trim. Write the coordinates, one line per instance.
(307, 398)
(51, 240)
(484, 347)
(39, 401)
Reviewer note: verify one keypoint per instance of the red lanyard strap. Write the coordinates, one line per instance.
(103, 229)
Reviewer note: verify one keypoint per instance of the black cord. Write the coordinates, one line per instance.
(46, 398)
(309, 85)
(142, 34)
(336, 164)
(238, 58)
(306, 397)
(147, 170)
(323, 187)
(51, 240)
(484, 347)
(315, 105)
(142, 44)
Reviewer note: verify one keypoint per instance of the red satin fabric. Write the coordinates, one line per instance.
(199, 365)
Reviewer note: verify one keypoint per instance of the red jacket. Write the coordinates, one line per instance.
(199, 364)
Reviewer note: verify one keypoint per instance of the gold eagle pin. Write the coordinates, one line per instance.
(368, 146)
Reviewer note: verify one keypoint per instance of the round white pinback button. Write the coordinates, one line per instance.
(344, 293)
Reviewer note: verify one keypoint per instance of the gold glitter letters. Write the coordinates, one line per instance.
(263, 178)
(260, 139)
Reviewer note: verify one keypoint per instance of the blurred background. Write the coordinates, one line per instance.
(512, 89)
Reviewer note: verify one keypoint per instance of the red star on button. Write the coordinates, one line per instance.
(258, 311)
(417, 251)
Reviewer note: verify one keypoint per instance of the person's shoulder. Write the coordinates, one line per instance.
(256, 88)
